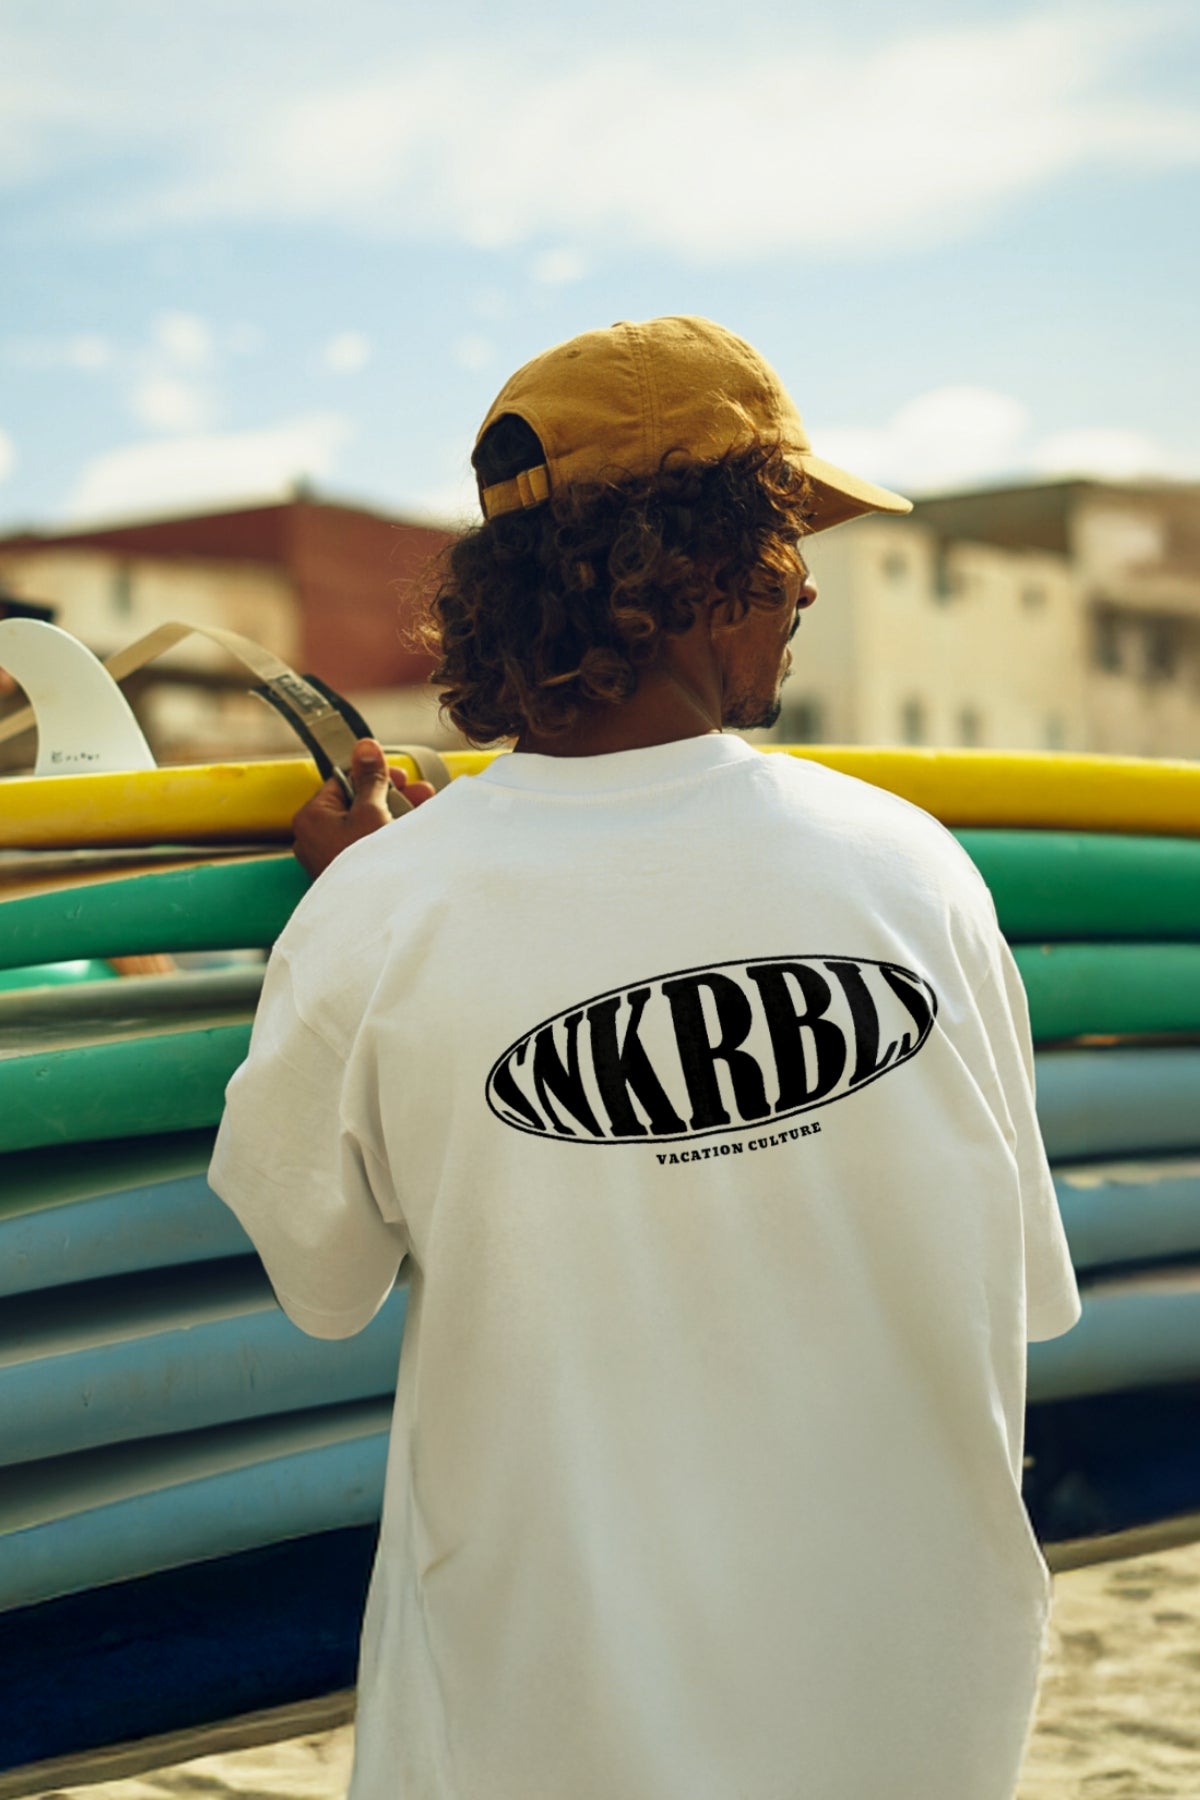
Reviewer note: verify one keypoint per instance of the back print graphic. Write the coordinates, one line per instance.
(710, 1050)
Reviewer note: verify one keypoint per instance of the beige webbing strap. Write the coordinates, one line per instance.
(318, 714)
(334, 734)
(430, 766)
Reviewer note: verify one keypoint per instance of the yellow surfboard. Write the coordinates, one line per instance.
(253, 802)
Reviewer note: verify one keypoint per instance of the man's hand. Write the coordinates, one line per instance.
(328, 822)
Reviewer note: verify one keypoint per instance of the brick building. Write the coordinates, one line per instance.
(330, 588)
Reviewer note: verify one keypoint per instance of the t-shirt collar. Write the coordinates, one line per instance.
(619, 770)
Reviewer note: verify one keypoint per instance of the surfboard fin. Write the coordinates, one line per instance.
(325, 722)
(84, 723)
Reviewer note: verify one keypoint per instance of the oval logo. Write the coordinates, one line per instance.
(712, 1050)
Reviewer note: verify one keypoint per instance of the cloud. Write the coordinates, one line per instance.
(963, 436)
(490, 303)
(8, 456)
(555, 268)
(89, 351)
(165, 403)
(347, 353)
(184, 339)
(948, 437)
(244, 339)
(474, 352)
(1118, 454)
(209, 469)
(836, 146)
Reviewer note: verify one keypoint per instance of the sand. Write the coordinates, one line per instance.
(1119, 1706)
(1118, 1714)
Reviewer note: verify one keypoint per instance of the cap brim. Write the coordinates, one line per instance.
(839, 496)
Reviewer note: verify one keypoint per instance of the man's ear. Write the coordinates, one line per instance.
(722, 615)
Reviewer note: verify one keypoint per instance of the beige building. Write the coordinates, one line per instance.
(1055, 616)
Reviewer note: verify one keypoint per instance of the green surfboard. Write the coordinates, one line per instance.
(121, 1059)
(214, 906)
(1047, 885)
(1111, 990)
(140, 1057)
(1089, 885)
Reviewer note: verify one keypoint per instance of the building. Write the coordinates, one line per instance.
(1047, 616)
(328, 587)
(1052, 616)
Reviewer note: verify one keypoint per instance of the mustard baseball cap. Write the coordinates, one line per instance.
(612, 403)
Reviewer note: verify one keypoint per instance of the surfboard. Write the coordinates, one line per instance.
(1046, 885)
(1120, 1212)
(149, 1224)
(1118, 1102)
(1130, 1212)
(54, 974)
(251, 1648)
(133, 1509)
(1137, 1330)
(1029, 789)
(128, 1509)
(97, 1074)
(255, 802)
(137, 1086)
(217, 803)
(46, 871)
(239, 905)
(1079, 885)
(129, 1058)
(125, 1007)
(39, 1180)
(1120, 990)
(168, 1351)
(1074, 990)
(123, 1510)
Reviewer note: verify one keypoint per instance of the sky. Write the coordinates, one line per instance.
(247, 243)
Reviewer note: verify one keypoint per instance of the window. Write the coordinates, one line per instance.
(946, 584)
(1108, 643)
(804, 720)
(1162, 650)
(970, 727)
(121, 591)
(912, 722)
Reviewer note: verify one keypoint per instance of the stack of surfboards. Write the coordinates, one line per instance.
(180, 1467)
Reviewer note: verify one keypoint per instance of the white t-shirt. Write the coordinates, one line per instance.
(696, 1086)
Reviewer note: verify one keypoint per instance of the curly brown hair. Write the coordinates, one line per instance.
(547, 611)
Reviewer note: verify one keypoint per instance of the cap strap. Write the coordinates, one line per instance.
(529, 488)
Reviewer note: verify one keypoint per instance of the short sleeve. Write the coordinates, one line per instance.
(313, 1197)
(1051, 1293)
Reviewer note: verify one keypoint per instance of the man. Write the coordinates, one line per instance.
(693, 1089)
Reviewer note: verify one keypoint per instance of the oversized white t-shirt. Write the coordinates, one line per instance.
(694, 1088)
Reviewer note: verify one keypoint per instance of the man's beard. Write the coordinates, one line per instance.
(754, 716)
(752, 712)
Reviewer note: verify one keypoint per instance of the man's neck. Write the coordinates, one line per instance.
(666, 707)
(680, 697)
